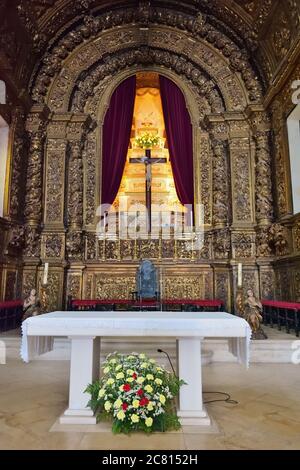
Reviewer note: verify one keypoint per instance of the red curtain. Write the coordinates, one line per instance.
(116, 136)
(180, 139)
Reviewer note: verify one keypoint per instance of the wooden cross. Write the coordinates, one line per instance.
(148, 161)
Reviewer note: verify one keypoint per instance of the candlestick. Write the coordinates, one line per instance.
(240, 275)
(45, 276)
(161, 288)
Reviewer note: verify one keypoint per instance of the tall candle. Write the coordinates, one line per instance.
(45, 277)
(161, 287)
(240, 275)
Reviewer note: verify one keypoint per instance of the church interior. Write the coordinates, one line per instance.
(152, 146)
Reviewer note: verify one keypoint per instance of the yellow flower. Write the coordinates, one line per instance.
(121, 415)
(129, 372)
(150, 406)
(106, 370)
(162, 399)
(121, 388)
(130, 379)
(101, 393)
(152, 361)
(159, 369)
(135, 418)
(131, 357)
(118, 403)
(142, 356)
(140, 380)
(107, 405)
(110, 382)
(149, 377)
(135, 403)
(119, 367)
(120, 375)
(149, 389)
(158, 381)
(144, 365)
(113, 361)
(148, 422)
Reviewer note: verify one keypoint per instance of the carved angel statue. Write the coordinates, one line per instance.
(253, 314)
(31, 305)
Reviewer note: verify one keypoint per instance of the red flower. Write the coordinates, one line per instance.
(134, 376)
(124, 406)
(126, 387)
(144, 401)
(140, 392)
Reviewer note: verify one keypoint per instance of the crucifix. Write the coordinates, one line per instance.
(148, 161)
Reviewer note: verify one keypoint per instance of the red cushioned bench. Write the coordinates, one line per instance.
(11, 313)
(282, 313)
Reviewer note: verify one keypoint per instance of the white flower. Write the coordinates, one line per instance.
(118, 403)
(149, 422)
(135, 418)
(121, 415)
(107, 405)
(162, 399)
(150, 406)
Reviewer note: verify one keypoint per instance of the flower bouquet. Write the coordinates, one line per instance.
(136, 394)
(147, 140)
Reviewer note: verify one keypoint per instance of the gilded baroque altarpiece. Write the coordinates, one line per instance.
(239, 138)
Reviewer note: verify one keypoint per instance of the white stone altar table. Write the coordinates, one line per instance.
(85, 329)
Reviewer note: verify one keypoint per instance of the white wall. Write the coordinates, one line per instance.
(4, 131)
(293, 124)
(2, 92)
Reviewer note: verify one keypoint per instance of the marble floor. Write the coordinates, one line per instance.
(267, 416)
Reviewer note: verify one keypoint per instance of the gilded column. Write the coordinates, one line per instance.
(77, 130)
(19, 147)
(75, 186)
(263, 184)
(260, 126)
(221, 199)
(35, 126)
(281, 156)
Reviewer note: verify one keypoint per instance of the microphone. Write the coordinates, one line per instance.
(170, 362)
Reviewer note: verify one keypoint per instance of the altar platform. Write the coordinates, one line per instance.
(85, 329)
